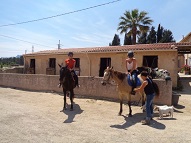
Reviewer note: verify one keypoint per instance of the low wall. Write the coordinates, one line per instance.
(89, 86)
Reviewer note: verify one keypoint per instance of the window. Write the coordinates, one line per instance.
(150, 61)
(77, 66)
(77, 62)
(52, 63)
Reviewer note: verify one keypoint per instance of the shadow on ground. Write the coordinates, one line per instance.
(130, 121)
(71, 114)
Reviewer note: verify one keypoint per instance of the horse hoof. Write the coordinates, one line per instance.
(63, 110)
(130, 115)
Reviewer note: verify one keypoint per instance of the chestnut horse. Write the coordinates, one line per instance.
(124, 89)
(67, 82)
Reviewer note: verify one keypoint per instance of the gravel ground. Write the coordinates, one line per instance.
(35, 117)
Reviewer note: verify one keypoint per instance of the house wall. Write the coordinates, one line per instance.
(187, 57)
(181, 61)
(90, 62)
(90, 86)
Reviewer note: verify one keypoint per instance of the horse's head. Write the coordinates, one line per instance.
(108, 75)
(64, 72)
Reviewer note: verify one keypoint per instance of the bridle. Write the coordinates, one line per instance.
(63, 73)
(110, 75)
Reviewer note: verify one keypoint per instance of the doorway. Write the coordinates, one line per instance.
(104, 63)
(32, 66)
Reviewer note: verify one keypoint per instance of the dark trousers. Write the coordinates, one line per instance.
(75, 77)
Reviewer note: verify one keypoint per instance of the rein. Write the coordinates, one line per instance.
(110, 75)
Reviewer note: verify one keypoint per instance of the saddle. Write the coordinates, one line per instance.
(130, 81)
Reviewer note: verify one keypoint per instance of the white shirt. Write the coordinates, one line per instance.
(130, 65)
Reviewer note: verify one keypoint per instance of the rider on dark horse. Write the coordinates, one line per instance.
(70, 63)
(131, 68)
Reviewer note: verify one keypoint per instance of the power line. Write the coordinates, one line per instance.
(24, 41)
(60, 14)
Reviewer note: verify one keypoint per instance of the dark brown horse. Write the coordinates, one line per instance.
(67, 82)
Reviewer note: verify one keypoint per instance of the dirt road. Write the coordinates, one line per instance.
(35, 117)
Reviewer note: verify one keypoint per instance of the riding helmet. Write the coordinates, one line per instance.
(70, 53)
(130, 54)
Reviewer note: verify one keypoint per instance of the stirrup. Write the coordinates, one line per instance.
(133, 92)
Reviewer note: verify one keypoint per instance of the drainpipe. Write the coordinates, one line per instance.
(89, 64)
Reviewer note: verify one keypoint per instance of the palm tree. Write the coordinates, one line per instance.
(134, 23)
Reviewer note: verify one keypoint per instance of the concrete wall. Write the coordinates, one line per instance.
(90, 86)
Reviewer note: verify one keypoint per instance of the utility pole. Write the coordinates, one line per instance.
(32, 49)
(59, 45)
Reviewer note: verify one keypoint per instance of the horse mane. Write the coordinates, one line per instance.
(120, 75)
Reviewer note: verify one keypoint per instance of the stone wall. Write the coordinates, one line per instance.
(89, 86)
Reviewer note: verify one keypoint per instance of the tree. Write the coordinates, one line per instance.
(159, 33)
(133, 23)
(116, 41)
(167, 37)
(152, 36)
(143, 38)
(12, 60)
(127, 40)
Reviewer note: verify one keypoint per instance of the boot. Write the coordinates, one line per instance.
(145, 122)
(133, 92)
(59, 85)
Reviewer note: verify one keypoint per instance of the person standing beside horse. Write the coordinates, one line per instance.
(131, 69)
(148, 88)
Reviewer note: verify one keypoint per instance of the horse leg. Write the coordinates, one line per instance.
(71, 99)
(121, 108)
(130, 110)
(64, 108)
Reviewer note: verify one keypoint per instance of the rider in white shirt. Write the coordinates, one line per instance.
(131, 68)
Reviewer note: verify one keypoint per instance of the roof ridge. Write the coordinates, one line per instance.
(123, 48)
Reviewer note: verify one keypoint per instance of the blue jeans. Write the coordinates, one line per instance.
(149, 105)
(134, 77)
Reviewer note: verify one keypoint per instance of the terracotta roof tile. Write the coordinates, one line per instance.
(137, 47)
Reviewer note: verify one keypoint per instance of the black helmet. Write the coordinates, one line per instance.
(130, 54)
(70, 53)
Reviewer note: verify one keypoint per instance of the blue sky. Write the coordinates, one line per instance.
(90, 28)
